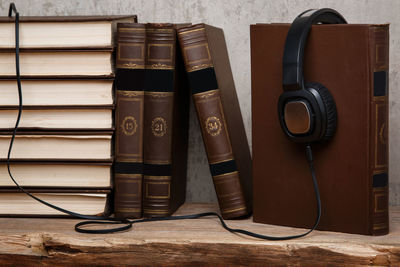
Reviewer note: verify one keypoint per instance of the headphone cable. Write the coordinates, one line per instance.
(127, 224)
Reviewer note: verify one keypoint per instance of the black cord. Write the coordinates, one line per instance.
(20, 105)
(239, 231)
(127, 224)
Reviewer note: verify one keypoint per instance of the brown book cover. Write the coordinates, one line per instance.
(129, 81)
(352, 169)
(166, 123)
(213, 90)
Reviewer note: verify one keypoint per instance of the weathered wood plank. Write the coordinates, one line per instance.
(45, 242)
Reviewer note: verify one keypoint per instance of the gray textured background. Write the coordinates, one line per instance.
(235, 16)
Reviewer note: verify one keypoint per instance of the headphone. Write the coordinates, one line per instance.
(314, 101)
(307, 111)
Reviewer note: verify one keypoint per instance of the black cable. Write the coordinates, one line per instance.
(239, 231)
(100, 220)
(20, 105)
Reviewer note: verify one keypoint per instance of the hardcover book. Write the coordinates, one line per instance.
(72, 32)
(166, 123)
(14, 203)
(59, 145)
(50, 91)
(352, 61)
(58, 117)
(57, 173)
(130, 78)
(61, 62)
(213, 90)
(63, 148)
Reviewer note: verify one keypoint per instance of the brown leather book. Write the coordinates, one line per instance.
(129, 81)
(213, 90)
(352, 169)
(166, 123)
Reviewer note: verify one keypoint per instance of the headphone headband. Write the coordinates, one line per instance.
(296, 40)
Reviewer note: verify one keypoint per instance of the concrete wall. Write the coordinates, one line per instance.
(235, 16)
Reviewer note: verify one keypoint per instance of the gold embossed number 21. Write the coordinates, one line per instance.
(159, 126)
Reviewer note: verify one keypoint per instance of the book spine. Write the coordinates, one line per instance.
(379, 144)
(158, 119)
(129, 83)
(207, 99)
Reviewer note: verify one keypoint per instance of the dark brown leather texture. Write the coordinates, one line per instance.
(204, 50)
(129, 126)
(352, 168)
(165, 123)
(131, 43)
(211, 117)
(158, 127)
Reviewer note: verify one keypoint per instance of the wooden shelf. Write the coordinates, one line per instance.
(196, 242)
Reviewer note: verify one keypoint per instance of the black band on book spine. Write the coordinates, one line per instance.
(159, 80)
(223, 167)
(128, 167)
(124, 78)
(380, 83)
(202, 80)
(127, 224)
(380, 180)
(157, 169)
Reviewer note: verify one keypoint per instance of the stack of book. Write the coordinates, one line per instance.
(63, 148)
(158, 66)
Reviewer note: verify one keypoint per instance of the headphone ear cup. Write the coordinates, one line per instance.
(330, 107)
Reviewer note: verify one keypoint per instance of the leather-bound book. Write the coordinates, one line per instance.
(129, 81)
(166, 123)
(351, 169)
(213, 90)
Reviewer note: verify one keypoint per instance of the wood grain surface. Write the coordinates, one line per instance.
(200, 242)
